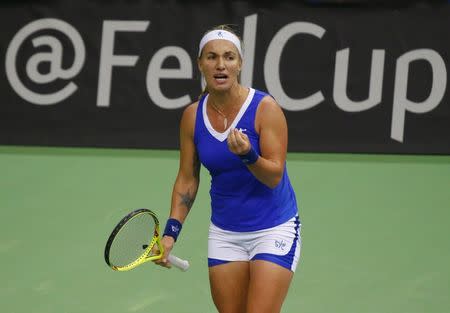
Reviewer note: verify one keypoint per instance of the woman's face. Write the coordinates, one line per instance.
(220, 64)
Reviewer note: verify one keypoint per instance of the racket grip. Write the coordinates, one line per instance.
(177, 262)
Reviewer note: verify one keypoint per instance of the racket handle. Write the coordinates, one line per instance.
(177, 262)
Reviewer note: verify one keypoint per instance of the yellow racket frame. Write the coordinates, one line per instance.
(146, 254)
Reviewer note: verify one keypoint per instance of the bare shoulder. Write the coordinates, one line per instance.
(269, 111)
(188, 118)
(191, 110)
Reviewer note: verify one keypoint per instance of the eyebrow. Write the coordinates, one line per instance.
(225, 53)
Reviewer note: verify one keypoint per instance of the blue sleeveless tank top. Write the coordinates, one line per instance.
(239, 201)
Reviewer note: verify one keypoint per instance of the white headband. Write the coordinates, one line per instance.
(220, 34)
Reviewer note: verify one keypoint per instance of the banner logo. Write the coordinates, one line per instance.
(53, 59)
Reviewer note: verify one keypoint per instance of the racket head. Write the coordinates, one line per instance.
(132, 240)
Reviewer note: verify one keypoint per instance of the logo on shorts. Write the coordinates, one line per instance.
(280, 244)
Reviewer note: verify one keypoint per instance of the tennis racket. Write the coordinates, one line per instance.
(132, 242)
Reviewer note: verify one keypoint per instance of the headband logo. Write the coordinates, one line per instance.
(220, 34)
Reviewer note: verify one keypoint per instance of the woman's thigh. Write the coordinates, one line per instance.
(268, 287)
(229, 286)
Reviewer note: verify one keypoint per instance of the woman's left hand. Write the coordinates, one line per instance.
(238, 142)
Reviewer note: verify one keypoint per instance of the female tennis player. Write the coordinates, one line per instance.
(240, 135)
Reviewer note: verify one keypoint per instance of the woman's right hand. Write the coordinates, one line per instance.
(167, 242)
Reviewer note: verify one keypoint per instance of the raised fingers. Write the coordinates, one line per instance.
(238, 142)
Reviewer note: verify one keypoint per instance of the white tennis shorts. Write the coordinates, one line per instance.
(280, 244)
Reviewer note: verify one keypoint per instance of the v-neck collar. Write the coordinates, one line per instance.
(222, 136)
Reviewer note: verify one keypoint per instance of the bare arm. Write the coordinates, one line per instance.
(273, 137)
(187, 180)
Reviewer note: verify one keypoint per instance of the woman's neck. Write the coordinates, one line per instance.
(227, 99)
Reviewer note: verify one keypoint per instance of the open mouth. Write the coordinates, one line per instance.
(220, 77)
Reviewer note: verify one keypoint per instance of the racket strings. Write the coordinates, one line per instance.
(132, 239)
